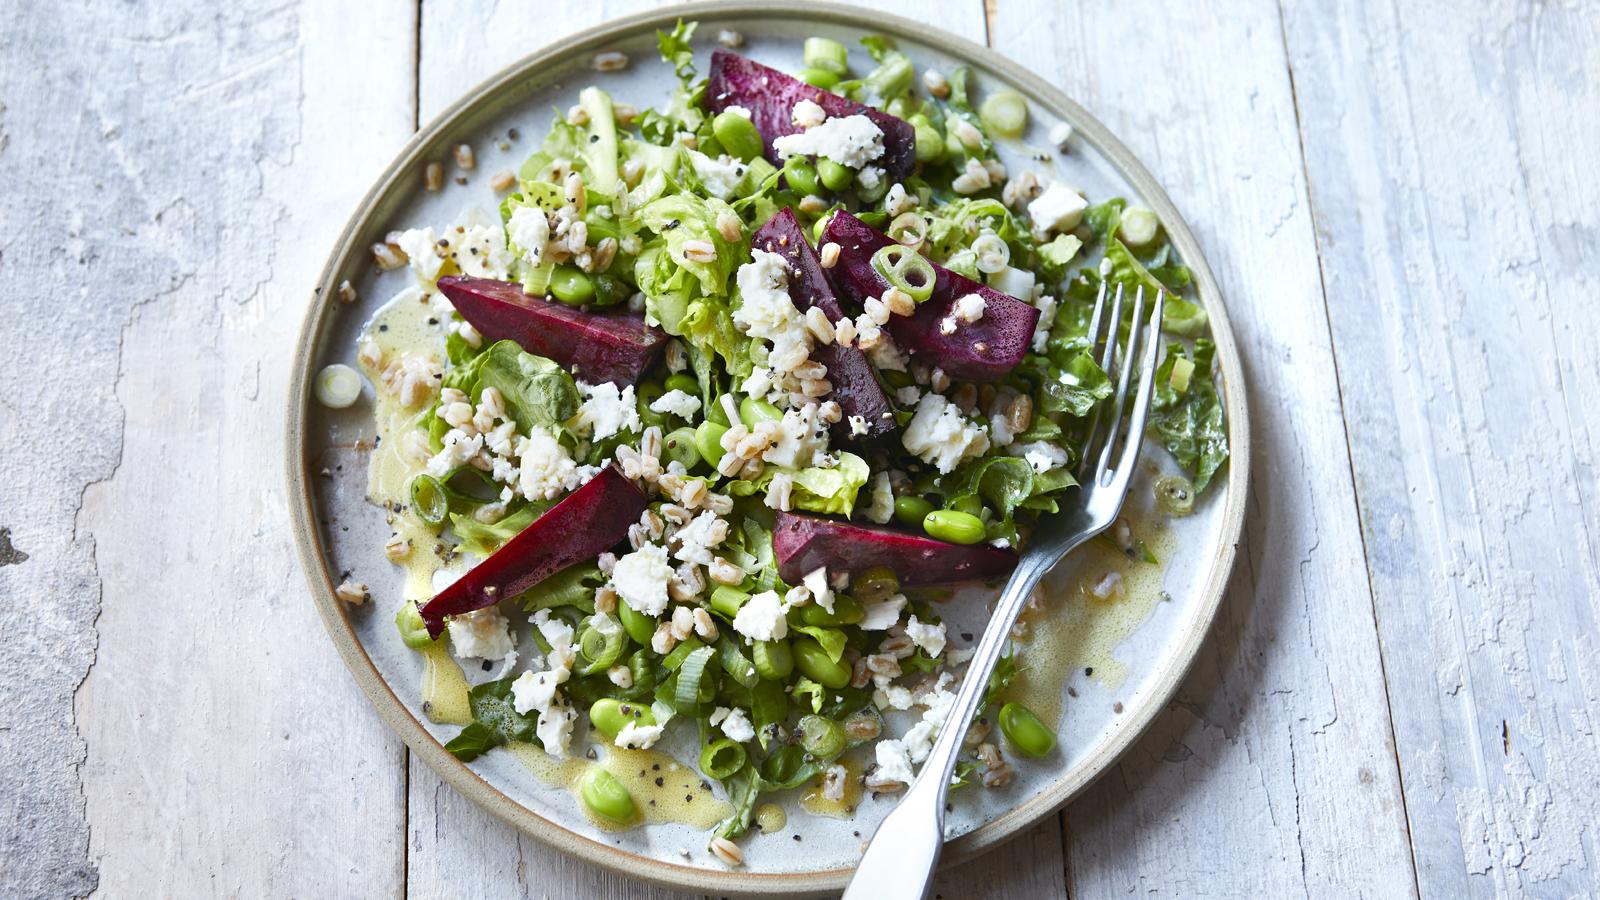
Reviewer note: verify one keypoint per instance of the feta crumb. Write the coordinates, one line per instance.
(734, 723)
(422, 249)
(1042, 455)
(807, 114)
(909, 395)
(870, 178)
(851, 141)
(699, 538)
(761, 618)
(927, 635)
(799, 440)
(677, 403)
(1058, 208)
(736, 109)
(1013, 281)
(858, 425)
(881, 615)
(481, 634)
(720, 177)
(607, 411)
(529, 230)
(458, 450)
(880, 507)
(893, 763)
(639, 737)
(1047, 318)
(970, 308)
(1060, 135)
(547, 470)
(939, 436)
(817, 583)
(766, 312)
(481, 252)
(641, 577)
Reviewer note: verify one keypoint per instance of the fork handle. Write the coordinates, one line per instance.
(904, 851)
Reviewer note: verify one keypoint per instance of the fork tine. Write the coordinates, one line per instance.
(1147, 388)
(1084, 464)
(1124, 373)
(1111, 335)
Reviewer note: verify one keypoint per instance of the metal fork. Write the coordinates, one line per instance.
(900, 861)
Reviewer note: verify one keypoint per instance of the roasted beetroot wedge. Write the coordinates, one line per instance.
(590, 521)
(854, 386)
(770, 97)
(984, 350)
(803, 543)
(595, 346)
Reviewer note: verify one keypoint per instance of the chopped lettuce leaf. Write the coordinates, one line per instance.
(1190, 423)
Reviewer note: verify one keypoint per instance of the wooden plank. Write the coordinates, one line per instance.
(200, 161)
(463, 42)
(1273, 772)
(1451, 161)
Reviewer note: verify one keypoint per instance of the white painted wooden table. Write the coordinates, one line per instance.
(1402, 693)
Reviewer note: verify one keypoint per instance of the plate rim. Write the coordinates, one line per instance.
(313, 561)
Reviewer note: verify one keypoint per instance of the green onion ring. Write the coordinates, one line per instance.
(905, 269)
(429, 500)
(721, 758)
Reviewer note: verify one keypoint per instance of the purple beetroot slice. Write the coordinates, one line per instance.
(984, 350)
(770, 96)
(596, 347)
(805, 543)
(588, 522)
(855, 387)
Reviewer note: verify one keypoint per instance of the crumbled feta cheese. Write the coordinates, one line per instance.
(970, 308)
(534, 691)
(481, 634)
(799, 440)
(529, 229)
(761, 618)
(1013, 281)
(880, 508)
(554, 729)
(547, 470)
(870, 178)
(720, 177)
(897, 697)
(481, 251)
(699, 538)
(1060, 135)
(1047, 318)
(641, 577)
(807, 114)
(858, 425)
(887, 357)
(736, 725)
(909, 395)
(765, 310)
(458, 450)
(927, 635)
(851, 141)
(893, 763)
(947, 325)
(639, 737)
(421, 246)
(607, 411)
(735, 108)
(881, 615)
(1042, 455)
(817, 584)
(939, 436)
(677, 403)
(1058, 208)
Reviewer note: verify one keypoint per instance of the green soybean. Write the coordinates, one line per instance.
(774, 660)
(930, 143)
(737, 134)
(818, 78)
(1024, 730)
(571, 286)
(678, 445)
(639, 626)
(609, 716)
(821, 737)
(801, 175)
(708, 441)
(911, 510)
(753, 410)
(726, 600)
(813, 662)
(874, 584)
(873, 194)
(683, 381)
(834, 176)
(847, 610)
(954, 526)
(413, 631)
(826, 54)
(606, 797)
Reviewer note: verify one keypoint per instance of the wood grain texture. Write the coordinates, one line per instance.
(1273, 770)
(1456, 209)
(187, 167)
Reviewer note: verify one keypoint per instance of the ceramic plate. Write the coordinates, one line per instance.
(1137, 650)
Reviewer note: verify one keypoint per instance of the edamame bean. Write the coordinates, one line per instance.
(774, 660)
(683, 381)
(606, 797)
(821, 737)
(413, 631)
(911, 510)
(801, 175)
(753, 410)
(847, 610)
(872, 194)
(708, 441)
(875, 584)
(930, 143)
(818, 78)
(571, 286)
(825, 54)
(1024, 730)
(609, 716)
(679, 445)
(814, 663)
(737, 134)
(954, 526)
(833, 176)
(639, 626)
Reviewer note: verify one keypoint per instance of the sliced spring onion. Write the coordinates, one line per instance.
(674, 658)
(993, 253)
(690, 674)
(892, 78)
(1138, 226)
(727, 600)
(429, 500)
(735, 663)
(903, 268)
(601, 648)
(908, 229)
(786, 767)
(1175, 495)
(1182, 371)
(337, 386)
(1005, 113)
(821, 737)
(825, 54)
(721, 758)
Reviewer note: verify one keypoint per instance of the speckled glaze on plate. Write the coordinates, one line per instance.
(338, 531)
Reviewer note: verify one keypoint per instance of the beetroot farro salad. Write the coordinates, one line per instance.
(701, 430)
